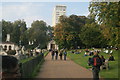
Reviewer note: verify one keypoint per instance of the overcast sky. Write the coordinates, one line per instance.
(30, 11)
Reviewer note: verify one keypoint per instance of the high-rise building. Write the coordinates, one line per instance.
(59, 10)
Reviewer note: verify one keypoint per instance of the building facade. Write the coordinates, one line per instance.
(6, 46)
(59, 10)
(52, 45)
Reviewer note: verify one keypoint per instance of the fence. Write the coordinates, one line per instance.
(28, 67)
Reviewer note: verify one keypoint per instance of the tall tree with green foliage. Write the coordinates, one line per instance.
(92, 37)
(107, 15)
(50, 32)
(38, 34)
(67, 31)
(7, 28)
(106, 12)
(19, 28)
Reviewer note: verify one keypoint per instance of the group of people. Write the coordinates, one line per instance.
(55, 54)
(76, 52)
(90, 52)
(10, 65)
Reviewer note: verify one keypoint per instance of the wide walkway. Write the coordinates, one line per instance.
(62, 69)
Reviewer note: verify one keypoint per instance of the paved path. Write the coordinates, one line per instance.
(62, 69)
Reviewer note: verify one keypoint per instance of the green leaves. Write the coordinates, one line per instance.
(107, 15)
(38, 34)
(19, 28)
(106, 12)
(68, 30)
(91, 37)
(21, 35)
(6, 29)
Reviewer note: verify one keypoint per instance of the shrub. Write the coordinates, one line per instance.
(11, 52)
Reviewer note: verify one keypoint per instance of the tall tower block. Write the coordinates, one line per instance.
(59, 10)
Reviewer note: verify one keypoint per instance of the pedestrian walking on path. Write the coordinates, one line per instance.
(65, 55)
(52, 53)
(56, 54)
(61, 53)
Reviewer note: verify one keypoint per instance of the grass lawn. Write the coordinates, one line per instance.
(46, 53)
(82, 60)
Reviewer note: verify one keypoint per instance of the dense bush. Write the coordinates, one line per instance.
(11, 52)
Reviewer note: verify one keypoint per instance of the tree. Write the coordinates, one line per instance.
(67, 31)
(50, 32)
(38, 34)
(24, 39)
(19, 28)
(7, 28)
(107, 15)
(106, 12)
(92, 37)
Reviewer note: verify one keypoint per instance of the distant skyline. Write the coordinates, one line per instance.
(31, 11)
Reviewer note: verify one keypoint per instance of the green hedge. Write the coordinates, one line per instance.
(28, 66)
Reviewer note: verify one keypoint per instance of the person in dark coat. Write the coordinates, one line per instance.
(52, 53)
(65, 55)
(103, 59)
(60, 55)
(41, 53)
(56, 54)
(111, 58)
(96, 62)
